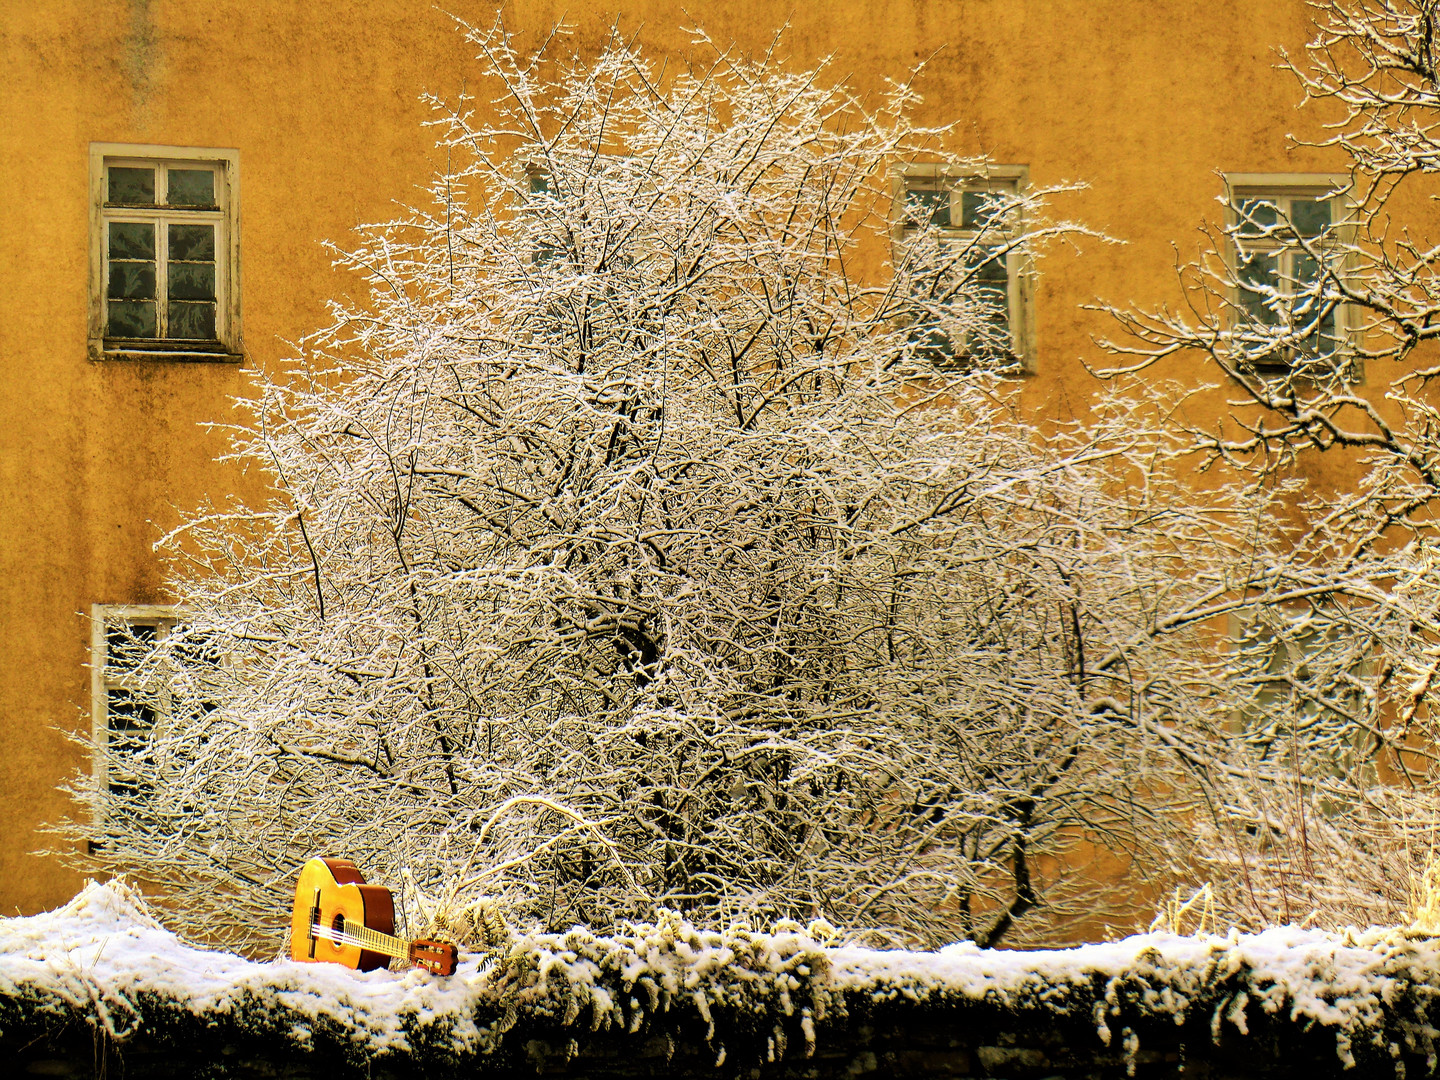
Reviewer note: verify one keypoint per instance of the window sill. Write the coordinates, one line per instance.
(144, 351)
(1308, 370)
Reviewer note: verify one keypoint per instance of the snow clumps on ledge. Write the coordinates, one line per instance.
(103, 963)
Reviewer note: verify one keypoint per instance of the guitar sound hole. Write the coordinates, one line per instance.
(339, 927)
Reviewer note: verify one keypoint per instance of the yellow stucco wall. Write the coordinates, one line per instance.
(1143, 99)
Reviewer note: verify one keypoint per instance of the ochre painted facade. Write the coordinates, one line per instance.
(1147, 101)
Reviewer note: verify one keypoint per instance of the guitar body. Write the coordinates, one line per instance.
(341, 920)
(343, 899)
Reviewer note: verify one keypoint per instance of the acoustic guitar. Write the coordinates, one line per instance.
(341, 920)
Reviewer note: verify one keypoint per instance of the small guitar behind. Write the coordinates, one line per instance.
(340, 919)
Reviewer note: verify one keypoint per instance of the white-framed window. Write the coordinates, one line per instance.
(537, 185)
(958, 235)
(1302, 669)
(126, 700)
(134, 692)
(612, 173)
(164, 253)
(1290, 233)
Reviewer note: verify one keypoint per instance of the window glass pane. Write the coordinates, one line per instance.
(980, 208)
(126, 642)
(1309, 216)
(990, 341)
(1323, 342)
(539, 183)
(1259, 282)
(994, 306)
(132, 280)
(192, 321)
(191, 187)
(132, 240)
(129, 719)
(1307, 273)
(547, 251)
(1255, 215)
(125, 789)
(196, 647)
(192, 281)
(1311, 307)
(992, 270)
(128, 711)
(132, 187)
(928, 206)
(932, 344)
(192, 243)
(131, 319)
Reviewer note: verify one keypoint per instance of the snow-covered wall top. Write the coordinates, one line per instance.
(104, 961)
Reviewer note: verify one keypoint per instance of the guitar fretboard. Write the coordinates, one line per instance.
(366, 938)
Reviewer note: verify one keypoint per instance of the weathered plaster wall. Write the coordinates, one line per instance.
(1144, 99)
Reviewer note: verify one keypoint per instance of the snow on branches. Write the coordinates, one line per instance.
(1317, 308)
(630, 547)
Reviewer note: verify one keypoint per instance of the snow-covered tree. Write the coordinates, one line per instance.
(1319, 316)
(633, 543)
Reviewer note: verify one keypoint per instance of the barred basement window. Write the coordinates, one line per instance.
(131, 695)
(125, 703)
(164, 253)
(1289, 237)
(971, 271)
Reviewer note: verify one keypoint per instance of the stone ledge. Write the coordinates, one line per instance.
(101, 986)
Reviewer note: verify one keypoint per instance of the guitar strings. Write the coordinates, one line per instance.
(380, 942)
(341, 937)
(345, 938)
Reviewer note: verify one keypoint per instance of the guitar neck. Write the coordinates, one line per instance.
(376, 941)
(366, 938)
